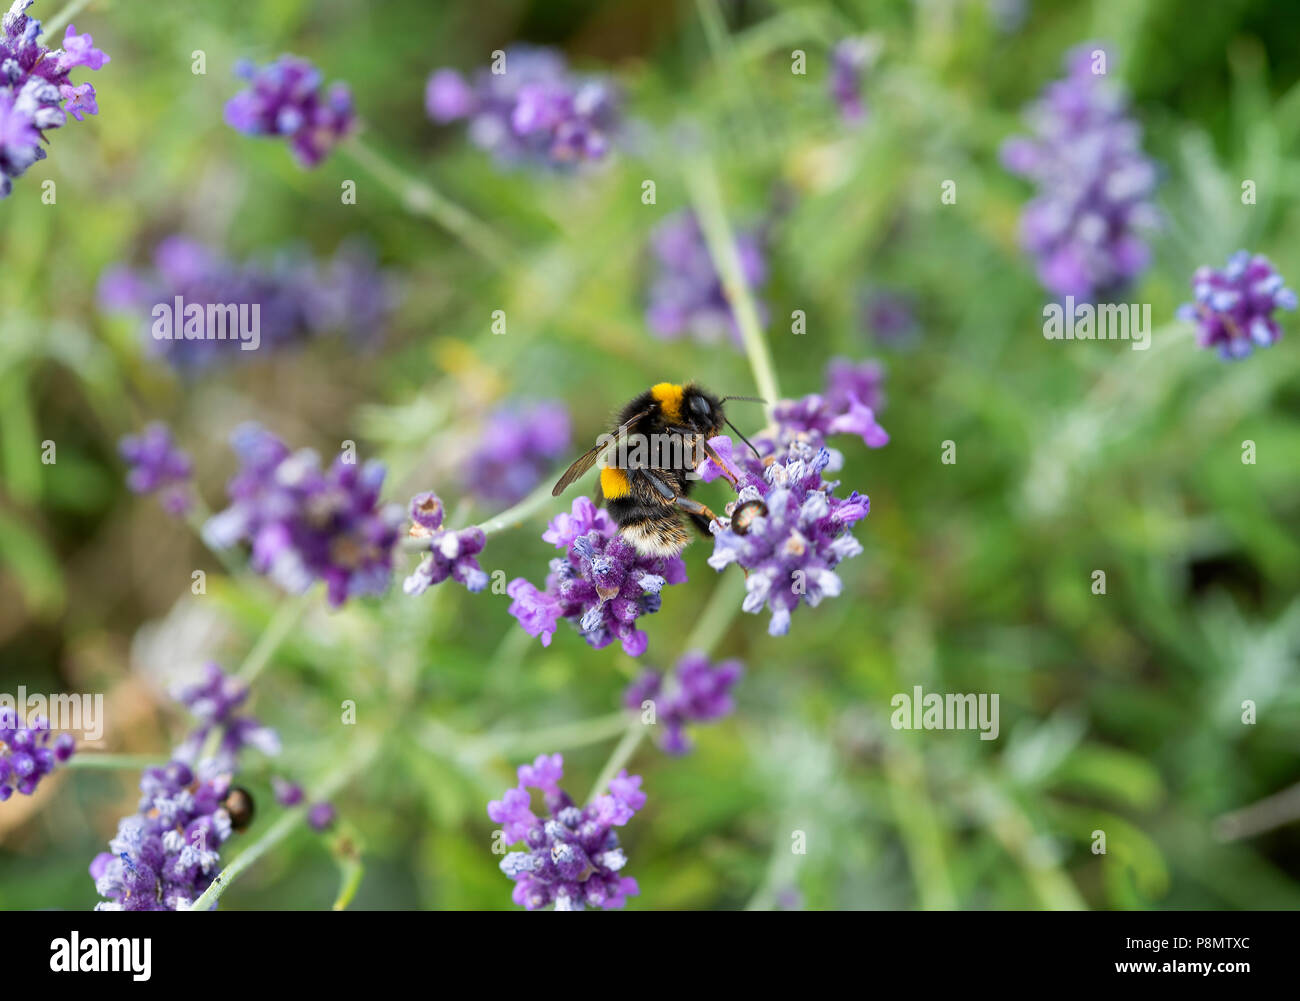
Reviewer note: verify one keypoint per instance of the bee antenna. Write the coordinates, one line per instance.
(747, 399)
(742, 438)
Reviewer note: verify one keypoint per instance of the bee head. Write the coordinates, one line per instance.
(702, 411)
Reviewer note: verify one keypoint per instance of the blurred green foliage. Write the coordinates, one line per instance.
(1119, 712)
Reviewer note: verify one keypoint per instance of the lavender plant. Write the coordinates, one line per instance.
(36, 90)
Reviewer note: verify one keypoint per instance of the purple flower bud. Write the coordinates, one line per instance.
(320, 817)
(1233, 308)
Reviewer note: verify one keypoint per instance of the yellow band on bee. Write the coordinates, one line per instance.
(614, 483)
(669, 395)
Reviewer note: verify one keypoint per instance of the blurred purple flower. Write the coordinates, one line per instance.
(284, 98)
(1233, 308)
(286, 792)
(849, 58)
(1094, 199)
(516, 448)
(157, 465)
(533, 111)
(890, 316)
(34, 86)
(572, 858)
(685, 295)
(297, 298)
(26, 756)
(452, 554)
(696, 692)
(213, 701)
(321, 817)
(306, 523)
(601, 586)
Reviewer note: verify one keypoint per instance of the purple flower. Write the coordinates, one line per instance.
(286, 793)
(528, 108)
(849, 58)
(847, 405)
(789, 531)
(167, 853)
(157, 465)
(213, 701)
(696, 692)
(685, 296)
(890, 316)
(571, 857)
(321, 817)
(305, 523)
(1233, 308)
(452, 554)
(288, 300)
(26, 753)
(517, 447)
(1094, 183)
(601, 586)
(285, 98)
(34, 86)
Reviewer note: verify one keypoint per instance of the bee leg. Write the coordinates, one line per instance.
(696, 510)
(712, 454)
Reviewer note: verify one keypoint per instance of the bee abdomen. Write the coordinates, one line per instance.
(663, 535)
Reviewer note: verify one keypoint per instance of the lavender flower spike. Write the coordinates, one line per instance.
(26, 756)
(1233, 308)
(529, 108)
(601, 586)
(36, 93)
(452, 554)
(285, 99)
(305, 523)
(517, 447)
(685, 295)
(158, 466)
(1085, 225)
(695, 692)
(795, 534)
(849, 58)
(571, 857)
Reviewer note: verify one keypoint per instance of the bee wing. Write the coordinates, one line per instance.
(585, 461)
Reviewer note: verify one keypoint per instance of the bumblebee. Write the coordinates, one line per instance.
(660, 438)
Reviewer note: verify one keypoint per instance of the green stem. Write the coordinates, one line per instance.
(621, 756)
(282, 623)
(131, 762)
(537, 501)
(281, 829)
(352, 870)
(706, 195)
(198, 516)
(48, 28)
(713, 622)
(285, 620)
(423, 199)
(563, 736)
